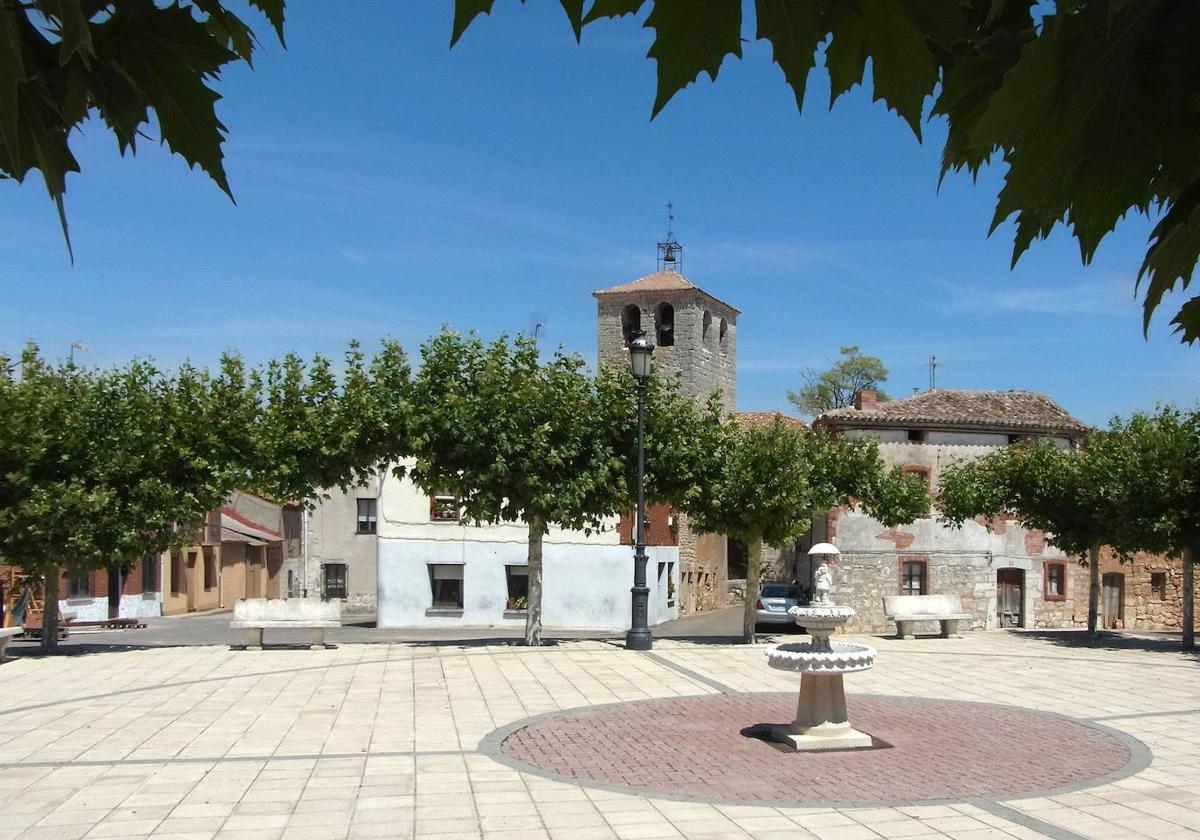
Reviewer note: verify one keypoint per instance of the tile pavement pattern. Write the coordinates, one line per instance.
(706, 746)
(383, 740)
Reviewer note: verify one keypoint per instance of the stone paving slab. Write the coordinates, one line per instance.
(382, 740)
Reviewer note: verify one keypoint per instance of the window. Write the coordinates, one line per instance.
(443, 507)
(210, 569)
(366, 516)
(1056, 581)
(446, 583)
(723, 331)
(334, 576)
(916, 436)
(670, 584)
(1158, 585)
(664, 331)
(79, 586)
(1015, 439)
(914, 577)
(707, 327)
(150, 573)
(518, 587)
(631, 323)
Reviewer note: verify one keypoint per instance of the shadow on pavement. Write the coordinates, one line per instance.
(1110, 640)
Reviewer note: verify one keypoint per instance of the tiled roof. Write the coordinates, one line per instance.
(748, 419)
(233, 521)
(961, 408)
(667, 280)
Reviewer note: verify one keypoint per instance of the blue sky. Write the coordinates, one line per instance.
(387, 185)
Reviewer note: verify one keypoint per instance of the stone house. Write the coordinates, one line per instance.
(1006, 576)
(339, 554)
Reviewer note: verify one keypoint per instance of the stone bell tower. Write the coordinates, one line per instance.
(694, 335)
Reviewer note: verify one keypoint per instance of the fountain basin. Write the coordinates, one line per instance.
(840, 658)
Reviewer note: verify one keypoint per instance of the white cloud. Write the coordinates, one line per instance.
(1102, 296)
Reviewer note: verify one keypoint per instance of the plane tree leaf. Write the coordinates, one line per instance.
(131, 63)
(1090, 105)
(692, 37)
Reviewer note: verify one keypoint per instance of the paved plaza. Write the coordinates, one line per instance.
(1028, 736)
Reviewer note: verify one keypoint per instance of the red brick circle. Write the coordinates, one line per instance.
(706, 747)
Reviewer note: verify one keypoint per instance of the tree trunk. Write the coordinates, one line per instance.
(533, 602)
(1093, 589)
(1189, 600)
(753, 562)
(50, 610)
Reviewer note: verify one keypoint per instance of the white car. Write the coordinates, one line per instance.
(774, 601)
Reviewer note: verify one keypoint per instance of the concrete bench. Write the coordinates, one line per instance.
(257, 614)
(907, 609)
(6, 634)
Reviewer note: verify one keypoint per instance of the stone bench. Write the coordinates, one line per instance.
(257, 614)
(905, 610)
(6, 634)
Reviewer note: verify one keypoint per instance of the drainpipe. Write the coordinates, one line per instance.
(304, 551)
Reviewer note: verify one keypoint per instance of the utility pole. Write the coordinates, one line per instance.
(933, 363)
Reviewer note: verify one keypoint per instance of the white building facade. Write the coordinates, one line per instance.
(435, 571)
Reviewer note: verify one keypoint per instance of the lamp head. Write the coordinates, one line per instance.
(640, 351)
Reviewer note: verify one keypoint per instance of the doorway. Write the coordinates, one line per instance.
(1112, 600)
(1010, 598)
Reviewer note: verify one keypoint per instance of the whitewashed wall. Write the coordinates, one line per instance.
(585, 586)
(145, 605)
(84, 609)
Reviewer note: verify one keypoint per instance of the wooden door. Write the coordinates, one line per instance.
(1112, 600)
(1010, 597)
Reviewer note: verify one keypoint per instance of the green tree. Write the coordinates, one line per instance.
(1160, 455)
(63, 61)
(314, 429)
(772, 481)
(841, 384)
(101, 466)
(1038, 87)
(97, 467)
(1077, 497)
(516, 439)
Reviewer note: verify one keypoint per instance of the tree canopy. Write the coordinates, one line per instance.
(516, 440)
(840, 384)
(1161, 491)
(98, 467)
(1090, 103)
(1077, 497)
(769, 482)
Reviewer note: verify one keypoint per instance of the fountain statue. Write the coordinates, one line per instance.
(821, 721)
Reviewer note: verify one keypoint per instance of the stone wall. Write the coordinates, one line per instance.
(1144, 607)
(703, 569)
(705, 362)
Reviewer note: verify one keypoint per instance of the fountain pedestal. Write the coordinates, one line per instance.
(821, 721)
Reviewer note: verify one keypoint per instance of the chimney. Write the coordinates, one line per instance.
(864, 400)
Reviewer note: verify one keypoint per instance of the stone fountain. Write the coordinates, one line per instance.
(821, 721)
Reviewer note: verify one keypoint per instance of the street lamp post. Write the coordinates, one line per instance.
(638, 637)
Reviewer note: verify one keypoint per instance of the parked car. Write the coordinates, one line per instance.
(774, 601)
